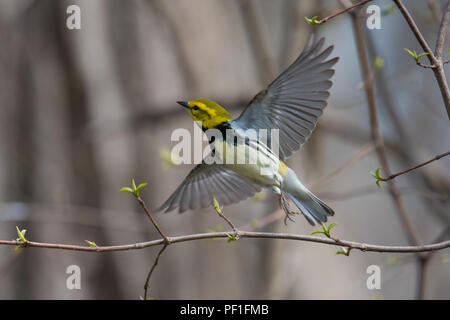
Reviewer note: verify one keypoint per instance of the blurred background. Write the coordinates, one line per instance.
(84, 111)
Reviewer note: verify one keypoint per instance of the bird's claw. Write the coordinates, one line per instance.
(284, 204)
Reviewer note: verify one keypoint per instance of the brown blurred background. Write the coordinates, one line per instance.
(83, 111)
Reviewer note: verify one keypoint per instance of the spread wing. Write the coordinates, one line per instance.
(196, 191)
(294, 101)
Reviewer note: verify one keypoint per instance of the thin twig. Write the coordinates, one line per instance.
(435, 60)
(415, 29)
(436, 11)
(144, 206)
(395, 175)
(321, 21)
(218, 209)
(242, 234)
(439, 71)
(261, 49)
(431, 66)
(442, 32)
(147, 280)
(231, 224)
(375, 129)
(426, 66)
(424, 263)
(422, 274)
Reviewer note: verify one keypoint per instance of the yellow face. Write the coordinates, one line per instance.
(207, 113)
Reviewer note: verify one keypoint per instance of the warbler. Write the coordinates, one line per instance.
(290, 106)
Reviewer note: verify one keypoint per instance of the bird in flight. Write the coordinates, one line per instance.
(289, 106)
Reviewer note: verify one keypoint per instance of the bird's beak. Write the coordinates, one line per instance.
(183, 104)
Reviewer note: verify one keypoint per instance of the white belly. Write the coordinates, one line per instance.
(259, 166)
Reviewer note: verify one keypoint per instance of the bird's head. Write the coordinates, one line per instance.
(207, 113)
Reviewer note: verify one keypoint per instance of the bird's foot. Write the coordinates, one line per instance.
(284, 204)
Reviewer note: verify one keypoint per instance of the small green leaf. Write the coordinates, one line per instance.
(169, 159)
(21, 235)
(21, 238)
(325, 230)
(344, 250)
(414, 54)
(377, 177)
(331, 226)
(216, 205)
(314, 20)
(423, 54)
(91, 243)
(389, 9)
(376, 174)
(134, 190)
(231, 237)
(378, 63)
(410, 52)
(141, 186)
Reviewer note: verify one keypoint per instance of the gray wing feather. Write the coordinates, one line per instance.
(294, 101)
(197, 189)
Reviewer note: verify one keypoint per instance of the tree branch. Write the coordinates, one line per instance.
(435, 60)
(242, 234)
(144, 206)
(375, 129)
(147, 280)
(395, 175)
(413, 26)
(442, 32)
(321, 21)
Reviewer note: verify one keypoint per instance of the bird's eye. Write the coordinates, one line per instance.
(195, 108)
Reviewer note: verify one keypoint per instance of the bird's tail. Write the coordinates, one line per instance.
(314, 209)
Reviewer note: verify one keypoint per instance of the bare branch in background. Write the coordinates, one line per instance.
(442, 32)
(262, 52)
(437, 67)
(375, 129)
(395, 175)
(315, 20)
(435, 59)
